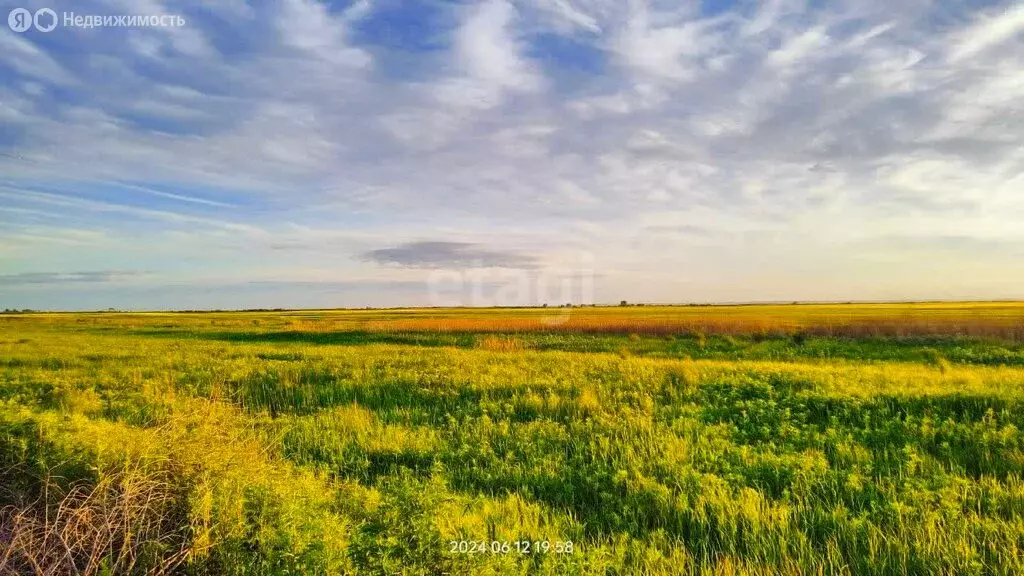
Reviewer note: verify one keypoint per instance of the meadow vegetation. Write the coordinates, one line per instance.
(811, 439)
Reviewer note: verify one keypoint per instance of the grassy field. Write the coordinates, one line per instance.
(810, 439)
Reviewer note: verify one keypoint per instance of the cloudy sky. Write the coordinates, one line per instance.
(388, 152)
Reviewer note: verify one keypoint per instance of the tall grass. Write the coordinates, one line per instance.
(220, 449)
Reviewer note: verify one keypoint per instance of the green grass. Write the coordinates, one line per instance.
(281, 448)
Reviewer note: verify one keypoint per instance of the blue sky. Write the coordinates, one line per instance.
(383, 153)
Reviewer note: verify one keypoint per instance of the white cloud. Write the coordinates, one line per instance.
(22, 55)
(567, 16)
(988, 32)
(766, 18)
(670, 51)
(306, 25)
(488, 55)
(799, 48)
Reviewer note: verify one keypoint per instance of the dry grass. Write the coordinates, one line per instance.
(999, 320)
(881, 326)
(127, 523)
(499, 344)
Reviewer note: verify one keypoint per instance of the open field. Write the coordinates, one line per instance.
(832, 439)
(1003, 320)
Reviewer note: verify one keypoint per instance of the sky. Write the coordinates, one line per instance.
(303, 154)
